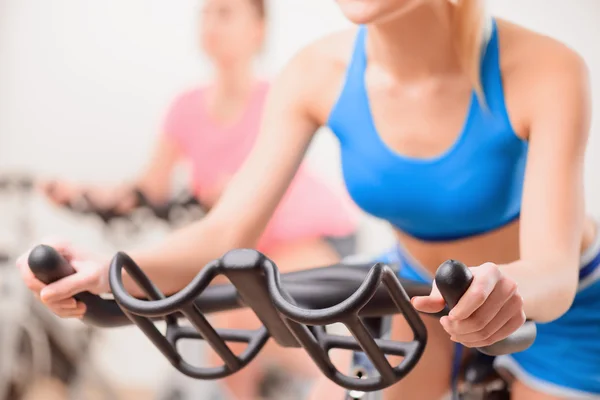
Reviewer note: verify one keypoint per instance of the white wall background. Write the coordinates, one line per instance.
(84, 86)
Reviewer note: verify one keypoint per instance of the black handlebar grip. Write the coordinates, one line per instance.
(453, 279)
(49, 266)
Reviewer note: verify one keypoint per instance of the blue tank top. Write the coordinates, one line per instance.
(472, 188)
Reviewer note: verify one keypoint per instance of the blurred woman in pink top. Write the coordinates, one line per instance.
(311, 210)
(212, 129)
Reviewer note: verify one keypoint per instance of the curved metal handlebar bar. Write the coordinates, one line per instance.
(293, 308)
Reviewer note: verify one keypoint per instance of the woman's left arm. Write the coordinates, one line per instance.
(553, 209)
(542, 284)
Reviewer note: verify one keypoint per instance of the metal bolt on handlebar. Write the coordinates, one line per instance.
(361, 373)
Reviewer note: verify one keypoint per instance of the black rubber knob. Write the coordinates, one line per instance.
(49, 266)
(453, 279)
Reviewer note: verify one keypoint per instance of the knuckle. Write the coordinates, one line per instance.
(24, 270)
(94, 281)
(479, 293)
(518, 301)
(492, 269)
(478, 322)
(454, 329)
(64, 303)
(470, 328)
(511, 285)
(485, 333)
(459, 327)
(29, 283)
(58, 312)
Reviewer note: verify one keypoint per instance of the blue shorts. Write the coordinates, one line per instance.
(564, 360)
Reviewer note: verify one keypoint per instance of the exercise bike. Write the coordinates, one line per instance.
(34, 344)
(294, 309)
(119, 227)
(181, 210)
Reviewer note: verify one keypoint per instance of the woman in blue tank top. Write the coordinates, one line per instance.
(468, 135)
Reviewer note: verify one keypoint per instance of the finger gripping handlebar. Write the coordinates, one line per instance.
(453, 279)
(49, 266)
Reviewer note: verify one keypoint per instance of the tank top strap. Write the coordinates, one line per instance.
(358, 62)
(351, 101)
(491, 74)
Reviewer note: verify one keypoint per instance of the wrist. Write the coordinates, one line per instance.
(103, 285)
(547, 292)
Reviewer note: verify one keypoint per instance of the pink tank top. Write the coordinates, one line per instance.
(309, 209)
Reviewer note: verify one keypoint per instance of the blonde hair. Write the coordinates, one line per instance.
(470, 34)
(261, 8)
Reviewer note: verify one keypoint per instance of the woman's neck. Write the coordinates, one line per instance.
(230, 92)
(417, 44)
(234, 80)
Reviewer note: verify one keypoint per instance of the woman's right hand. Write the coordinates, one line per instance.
(91, 275)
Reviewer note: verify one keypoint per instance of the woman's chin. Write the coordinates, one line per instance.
(376, 11)
(359, 11)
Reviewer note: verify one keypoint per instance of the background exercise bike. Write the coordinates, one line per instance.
(39, 350)
(294, 308)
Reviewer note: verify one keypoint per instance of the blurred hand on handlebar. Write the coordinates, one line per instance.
(91, 275)
(121, 198)
(490, 310)
(60, 192)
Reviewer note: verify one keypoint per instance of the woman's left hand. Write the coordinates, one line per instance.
(488, 312)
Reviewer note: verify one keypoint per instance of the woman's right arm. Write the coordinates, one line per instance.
(155, 179)
(251, 197)
(244, 209)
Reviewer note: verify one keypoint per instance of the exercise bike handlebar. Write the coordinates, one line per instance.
(333, 283)
(164, 211)
(84, 205)
(49, 266)
(292, 307)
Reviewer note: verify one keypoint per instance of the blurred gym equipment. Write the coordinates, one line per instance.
(35, 345)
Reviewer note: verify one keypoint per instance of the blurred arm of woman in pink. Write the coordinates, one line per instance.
(311, 210)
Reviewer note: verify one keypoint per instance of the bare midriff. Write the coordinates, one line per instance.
(500, 246)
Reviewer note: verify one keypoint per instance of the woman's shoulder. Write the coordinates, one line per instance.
(190, 95)
(533, 66)
(315, 73)
(523, 49)
(334, 49)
